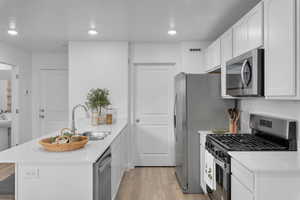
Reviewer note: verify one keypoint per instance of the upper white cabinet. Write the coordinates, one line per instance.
(281, 71)
(248, 31)
(213, 56)
(226, 54)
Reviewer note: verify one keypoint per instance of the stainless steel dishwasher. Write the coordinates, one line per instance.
(102, 177)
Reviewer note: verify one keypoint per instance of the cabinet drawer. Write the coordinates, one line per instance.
(239, 191)
(242, 174)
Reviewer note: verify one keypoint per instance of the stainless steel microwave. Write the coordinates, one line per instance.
(245, 74)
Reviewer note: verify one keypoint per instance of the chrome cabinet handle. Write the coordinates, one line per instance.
(137, 120)
(42, 110)
(42, 116)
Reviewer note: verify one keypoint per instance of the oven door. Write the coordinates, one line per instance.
(244, 74)
(222, 176)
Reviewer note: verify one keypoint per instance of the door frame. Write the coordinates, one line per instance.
(132, 94)
(15, 108)
(39, 122)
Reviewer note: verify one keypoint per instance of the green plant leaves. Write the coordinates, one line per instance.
(97, 99)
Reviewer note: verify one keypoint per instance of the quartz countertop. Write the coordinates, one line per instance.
(267, 161)
(32, 152)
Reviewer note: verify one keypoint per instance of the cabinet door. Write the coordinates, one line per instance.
(239, 191)
(213, 57)
(240, 38)
(216, 53)
(255, 27)
(226, 54)
(280, 48)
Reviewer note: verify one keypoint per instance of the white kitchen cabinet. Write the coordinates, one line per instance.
(119, 160)
(281, 69)
(226, 54)
(213, 56)
(239, 191)
(240, 38)
(248, 31)
(203, 135)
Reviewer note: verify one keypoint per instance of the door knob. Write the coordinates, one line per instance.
(42, 116)
(42, 110)
(137, 120)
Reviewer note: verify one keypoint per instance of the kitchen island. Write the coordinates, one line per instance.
(66, 175)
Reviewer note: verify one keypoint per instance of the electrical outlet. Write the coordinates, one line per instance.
(31, 173)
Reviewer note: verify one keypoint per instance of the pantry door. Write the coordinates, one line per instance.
(53, 110)
(153, 100)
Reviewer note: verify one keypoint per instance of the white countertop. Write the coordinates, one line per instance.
(264, 161)
(32, 152)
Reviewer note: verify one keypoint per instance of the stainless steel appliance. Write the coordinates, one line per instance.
(102, 177)
(268, 134)
(245, 74)
(198, 106)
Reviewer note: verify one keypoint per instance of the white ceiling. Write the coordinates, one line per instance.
(49, 24)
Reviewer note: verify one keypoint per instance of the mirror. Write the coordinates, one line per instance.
(5, 88)
(6, 95)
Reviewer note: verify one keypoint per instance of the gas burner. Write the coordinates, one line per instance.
(245, 142)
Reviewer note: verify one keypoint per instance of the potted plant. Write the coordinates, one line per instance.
(97, 99)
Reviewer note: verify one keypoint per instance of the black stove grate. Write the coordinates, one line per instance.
(245, 142)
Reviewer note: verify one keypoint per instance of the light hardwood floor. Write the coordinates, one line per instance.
(153, 183)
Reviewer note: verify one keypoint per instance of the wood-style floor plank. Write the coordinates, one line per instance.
(153, 183)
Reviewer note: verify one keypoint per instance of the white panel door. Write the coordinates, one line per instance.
(280, 48)
(153, 115)
(53, 113)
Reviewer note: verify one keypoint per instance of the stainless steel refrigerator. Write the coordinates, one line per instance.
(198, 106)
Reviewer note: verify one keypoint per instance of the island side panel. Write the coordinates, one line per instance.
(277, 185)
(50, 181)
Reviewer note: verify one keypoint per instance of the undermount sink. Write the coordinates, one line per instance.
(96, 135)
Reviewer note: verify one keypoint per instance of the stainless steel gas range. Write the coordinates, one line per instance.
(267, 134)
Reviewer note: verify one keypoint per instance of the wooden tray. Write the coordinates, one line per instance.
(64, 147)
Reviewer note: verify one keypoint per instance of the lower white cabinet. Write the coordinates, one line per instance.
(239, 191)
(119, 151)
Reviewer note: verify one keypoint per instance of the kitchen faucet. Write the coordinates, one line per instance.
(73, 129)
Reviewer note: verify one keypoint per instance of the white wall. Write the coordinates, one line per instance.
(193, 61)
(287, 109)
(22, 59)
(99, 65)
(43, 60)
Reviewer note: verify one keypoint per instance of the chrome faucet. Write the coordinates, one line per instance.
(73, 129)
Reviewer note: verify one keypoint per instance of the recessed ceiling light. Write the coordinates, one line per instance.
(92, 32)
(172, 32)
(12, 32)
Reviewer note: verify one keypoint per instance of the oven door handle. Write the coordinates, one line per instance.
(243, 71)
(220, 163)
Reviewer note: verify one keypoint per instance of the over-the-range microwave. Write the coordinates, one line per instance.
(245, 74)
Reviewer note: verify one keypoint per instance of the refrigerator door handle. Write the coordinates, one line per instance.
(174, 117)
(174, 111)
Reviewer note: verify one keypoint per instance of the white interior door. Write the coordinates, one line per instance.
(53, 112)
(153, 115)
